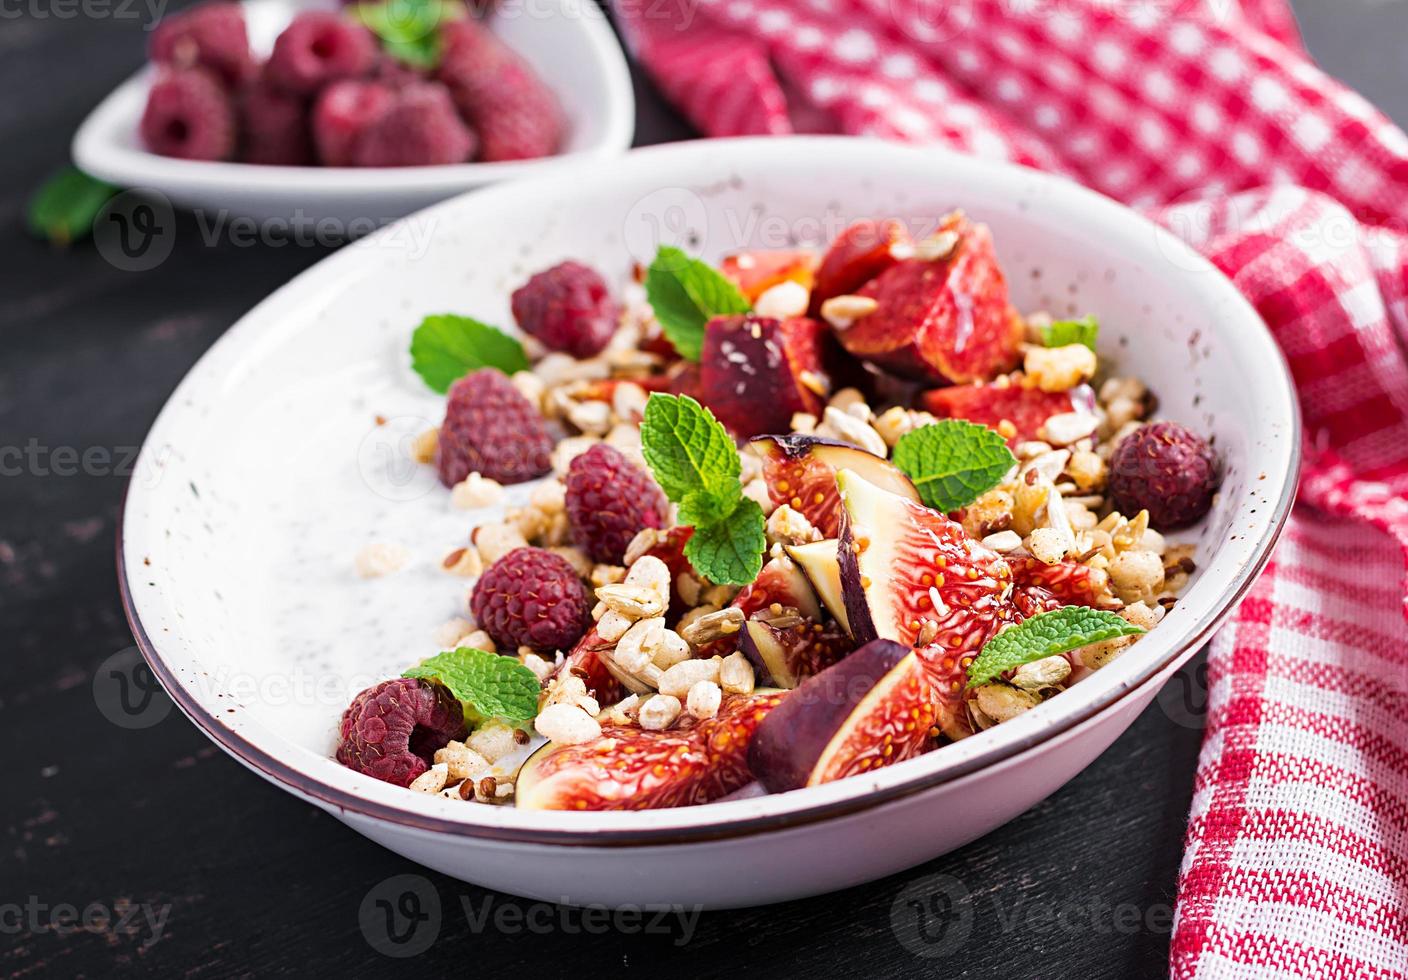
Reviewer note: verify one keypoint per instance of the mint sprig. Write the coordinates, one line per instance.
(63, 210)
(695, 461)
(686, 294)
(446, 347)
(953, 462)
(409, 30)
(488, 685)
(1059, 333)
(1045, 635)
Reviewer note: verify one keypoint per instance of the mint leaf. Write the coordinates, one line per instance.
(1062, 332)
(1045, 635)
(488, 685)
(409, 30)
(952, 462)
(730, 551)
(685, 294)
(446, 347)
(692, 456)
(62, 211)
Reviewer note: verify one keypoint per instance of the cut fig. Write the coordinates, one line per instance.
(859, 254)
(756, 372)
(781, 582)
(755, 272)
(787, 655)
(630, 768)
(869, 710)
(1069, 583)
(590, 660)
(1026, 407)
(800, 471)
(911, 575)
(945, 319)
(819, 563)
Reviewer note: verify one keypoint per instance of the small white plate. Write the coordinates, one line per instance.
(569, 43)
(267, 472)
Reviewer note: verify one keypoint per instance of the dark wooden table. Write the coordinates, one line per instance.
(146, 850)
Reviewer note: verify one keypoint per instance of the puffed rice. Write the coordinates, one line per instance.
(432, 780)
(842, 311)
(704, 699)
(785, 300)
(659, 712)
(566, 724)
(1059, 368)
(461, 761)
(496, 540)
(736, 674)
(682, 676)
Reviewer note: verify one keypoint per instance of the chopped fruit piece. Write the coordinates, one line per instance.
(632, 768)
(1068, 583)
(609, 501)
(492, 430)
(786, 655)
(858, 255)
(801, 472)
(870, 710)
(567, 308)
(1168, 471)
(941, 319)
(820, 564)
(911, 575)
(1024, 408)
(393, 730)
(531, 597)
(782, 583)
(755, 373)
(754, 273)
(190, 116)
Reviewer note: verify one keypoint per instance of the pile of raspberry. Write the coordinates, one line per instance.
(329, 95)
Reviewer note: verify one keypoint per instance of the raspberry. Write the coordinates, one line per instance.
(189, 115)
(531, 597)
(491, 429)
(515, 114)
(343, 110)
(210, 36)
(392, 731)
(1168, 471)
(274, 127)
(318, 47)
(609, 501)
(419, 128)
(567, 308)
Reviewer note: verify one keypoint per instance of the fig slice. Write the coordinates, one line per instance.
(630, 768)
(787, 655)
(781, 582)
(756, 372)
(941, 319)
(1067, 583)
(755, 272)
(859, 254)
(800, 471)
(819, 563)
(590, 660)
(869, 710)
(1026, 407)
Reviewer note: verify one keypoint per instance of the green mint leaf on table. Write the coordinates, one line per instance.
(692, 456)
(1059, 333)
(62, 211)
(730, 551)
(1045, 635)
(446, 347)
(488, 685)
(952, 462)
(686, 294)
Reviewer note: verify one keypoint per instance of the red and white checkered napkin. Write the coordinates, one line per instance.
(1212, 119)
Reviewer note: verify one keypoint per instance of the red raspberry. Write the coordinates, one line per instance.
(491, 429)
(531, 597)
(515, 114)
(343, 111)
(274, 127)
(419, 128)
(392, 731)
(189, 115)
(318, 47)
(208, 35)
(609, 501)
(567, 308)
(1168, 471)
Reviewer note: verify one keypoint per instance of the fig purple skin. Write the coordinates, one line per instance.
(793, 739)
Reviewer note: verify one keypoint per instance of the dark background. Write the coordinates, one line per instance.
(246, 880)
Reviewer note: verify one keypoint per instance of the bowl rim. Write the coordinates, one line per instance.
(95, 152)
(725, 819)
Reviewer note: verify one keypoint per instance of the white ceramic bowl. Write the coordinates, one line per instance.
(568, 42)
(266, 473)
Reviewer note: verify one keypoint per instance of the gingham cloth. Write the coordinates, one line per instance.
(1212, 119)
